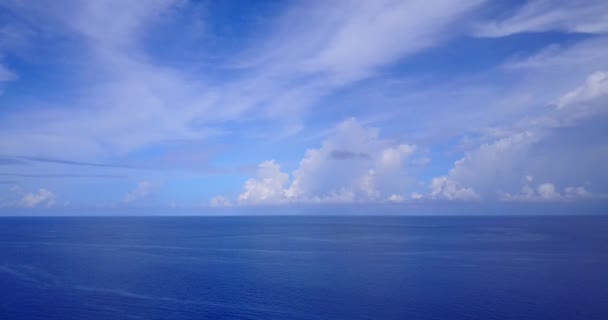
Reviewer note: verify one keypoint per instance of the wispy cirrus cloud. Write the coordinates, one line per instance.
(300, 63)
(62, 175)
(9, 159)
(588, 16)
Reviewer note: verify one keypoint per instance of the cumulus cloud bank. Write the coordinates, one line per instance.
(352, 164)
(537, 147)
(268, 186)
(355, 164)
(548, 192)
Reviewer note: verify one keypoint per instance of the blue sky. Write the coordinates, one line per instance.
(170, 104)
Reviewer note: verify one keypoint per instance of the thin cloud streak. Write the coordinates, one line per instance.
(24, 159)
(63, 175)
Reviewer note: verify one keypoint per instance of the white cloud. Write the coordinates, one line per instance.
(545, 147)
(577, 192)
(267, 187)
(594, 87)
(130, 100)
(416, 196)
(371, 34)
(219, 202)
(522, 87)
(353, 164)
(527, 191)
(318, 48)
(586, 16)
(143, 190)
(43, 197)
(129, 18)
(17, 197)
(549, 192)
(445, 188)
(373, 168)
(396, 198)
(486, 168)
(126, 100)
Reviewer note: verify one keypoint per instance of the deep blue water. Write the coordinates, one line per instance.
(304, 268)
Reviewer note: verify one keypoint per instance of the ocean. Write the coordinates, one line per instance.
(306, 267)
